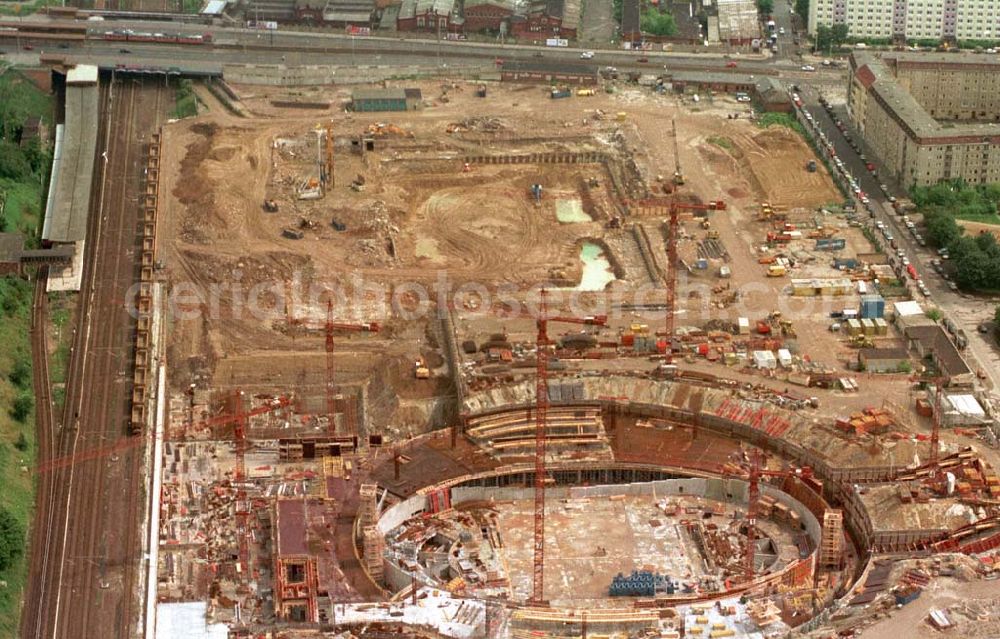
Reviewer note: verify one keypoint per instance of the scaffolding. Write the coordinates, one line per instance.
(373, 548)
(831, 549)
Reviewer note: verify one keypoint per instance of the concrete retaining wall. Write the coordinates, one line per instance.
(313, 75)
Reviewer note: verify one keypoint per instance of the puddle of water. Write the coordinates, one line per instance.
(597, 271)
(571, 212)
(427, 247)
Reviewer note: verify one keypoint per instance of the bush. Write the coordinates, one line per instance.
(20, 373)
(661, 24)
(22, 406)
(22, 442)
(13, 163)
(11, 539)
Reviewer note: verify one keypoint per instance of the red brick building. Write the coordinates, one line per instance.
(432, 16)
(486, 15)
(547, 19)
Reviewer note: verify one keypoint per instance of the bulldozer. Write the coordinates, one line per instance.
(862, 341)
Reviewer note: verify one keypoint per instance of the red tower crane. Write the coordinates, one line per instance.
(541, 409)
(673, 225)
(329, 327)
(753, 496)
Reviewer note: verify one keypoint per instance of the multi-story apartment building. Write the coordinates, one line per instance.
(910, 19)
(929, 117)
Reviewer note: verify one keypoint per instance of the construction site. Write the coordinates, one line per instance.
(515, 361)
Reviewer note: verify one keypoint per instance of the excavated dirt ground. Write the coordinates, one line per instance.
(420, 217)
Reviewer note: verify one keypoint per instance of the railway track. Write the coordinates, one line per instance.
(89, 557)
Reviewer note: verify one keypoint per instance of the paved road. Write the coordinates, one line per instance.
(963, 309)
(242, 45)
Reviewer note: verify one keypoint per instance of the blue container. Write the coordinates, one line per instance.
(872, 307)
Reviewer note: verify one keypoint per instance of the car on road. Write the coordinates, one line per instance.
(586, 55)
(28, 47)
(984, 327)
(124, 51)
(808, 67)
(731, 64)
(643, 60)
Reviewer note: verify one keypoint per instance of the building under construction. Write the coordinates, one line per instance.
(525, 467)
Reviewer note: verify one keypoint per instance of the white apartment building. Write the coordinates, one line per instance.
(910, 19)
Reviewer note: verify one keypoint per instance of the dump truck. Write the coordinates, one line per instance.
(776, 270)
(585, 92)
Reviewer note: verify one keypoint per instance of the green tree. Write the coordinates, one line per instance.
(996, 315)
(22, 406)
(656, 23)
(13, 164)
(22, 442)
(933, 313)
(839, 33)
(802, 8)
(766, 7)
(11, 539)
(942, 229)
(20, 373)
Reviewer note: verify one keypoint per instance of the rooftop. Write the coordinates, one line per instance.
(391, 93)
(883, 353)
(878, 78)
(72, 168)
(11, 245)
(82, 74)
(411, 8)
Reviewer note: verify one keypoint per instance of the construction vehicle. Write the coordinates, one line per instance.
(270, 206)
(705, 224)
(777, 270)
(811, 166)
(712, 235)
(556, 94)
(862, 341)
(420, 370)
(481, 91)
(678, 174)
(585, 92)
(787, 329)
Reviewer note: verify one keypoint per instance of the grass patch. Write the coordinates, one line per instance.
(61, 309)
(17, 437)
(26, 8)
(721, 141)
(187, 102)
(765, 120)
(23, 171)
(22, 205)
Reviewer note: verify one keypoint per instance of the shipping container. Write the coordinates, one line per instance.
(830, 243)
(872, 306)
